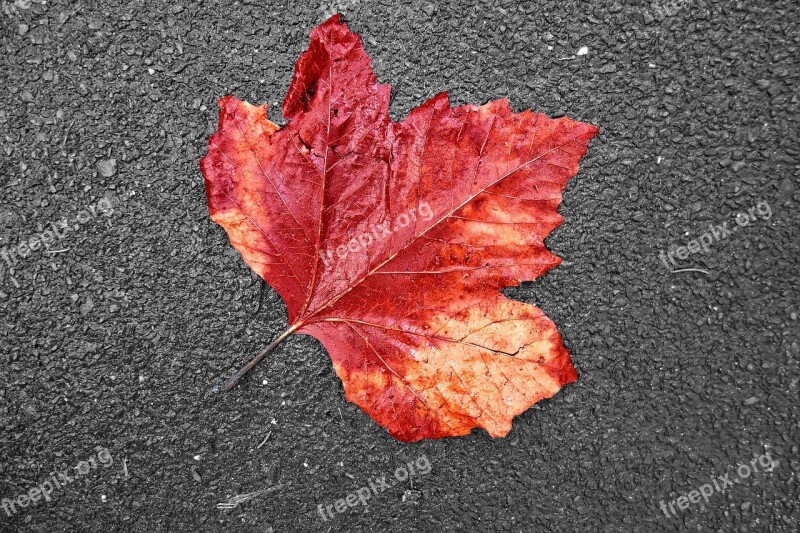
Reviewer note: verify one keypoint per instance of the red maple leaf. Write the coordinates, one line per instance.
(390, 242)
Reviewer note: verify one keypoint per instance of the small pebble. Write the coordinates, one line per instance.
(107, 167)
(87, 307)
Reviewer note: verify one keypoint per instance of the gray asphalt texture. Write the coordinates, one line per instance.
(112, 337)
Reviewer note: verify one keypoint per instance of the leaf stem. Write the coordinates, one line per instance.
(231, 382)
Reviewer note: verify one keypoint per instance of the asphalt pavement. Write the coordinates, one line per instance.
(122, 302)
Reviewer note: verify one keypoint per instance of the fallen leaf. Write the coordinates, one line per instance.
(390, 242)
